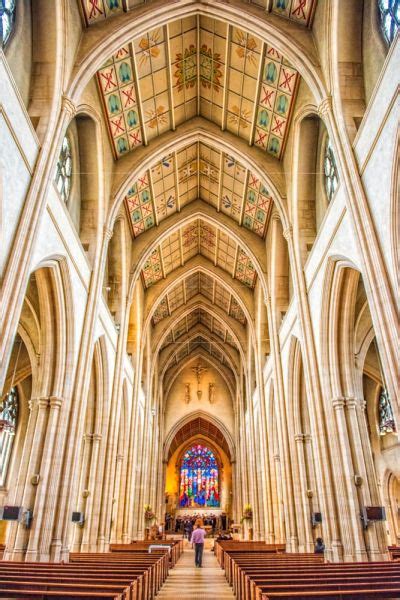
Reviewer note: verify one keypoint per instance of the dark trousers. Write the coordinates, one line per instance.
(198, 554)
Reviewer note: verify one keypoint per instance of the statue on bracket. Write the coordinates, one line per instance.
(211, 393)
(187, 393)
(198, 370)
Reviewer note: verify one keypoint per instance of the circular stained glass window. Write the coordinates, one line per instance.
(331, 177)
(64, 170)
(390, 18)
(7, 19)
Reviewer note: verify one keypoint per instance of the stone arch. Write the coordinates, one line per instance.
(148, 242)
(111, 34)
(265, 167)
(199, 265)
(169, 323)
(202, 417)
(202, 332)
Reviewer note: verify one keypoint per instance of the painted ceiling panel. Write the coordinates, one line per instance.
(199, 238)
(199, 172)
(199, 66)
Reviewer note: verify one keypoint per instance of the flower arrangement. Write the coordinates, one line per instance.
(148, 513)
(247, 513)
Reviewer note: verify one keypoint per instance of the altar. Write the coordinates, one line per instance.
(201, 512)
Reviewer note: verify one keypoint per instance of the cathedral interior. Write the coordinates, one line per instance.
(200, 275)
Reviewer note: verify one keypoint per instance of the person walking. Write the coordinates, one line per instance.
(198, 536)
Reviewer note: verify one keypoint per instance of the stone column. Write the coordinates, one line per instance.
(375, 535)
(303, 509)
(91, 504)
(318, 418)
(349, 510)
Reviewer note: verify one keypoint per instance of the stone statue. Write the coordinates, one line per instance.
(211, 393)
(187, 393)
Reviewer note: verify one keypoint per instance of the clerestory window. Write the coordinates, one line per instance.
(64, 170)
(331, 176)
(390, 18)
(9, 407)
(7, 20)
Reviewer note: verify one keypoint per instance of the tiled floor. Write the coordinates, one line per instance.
(185, 582)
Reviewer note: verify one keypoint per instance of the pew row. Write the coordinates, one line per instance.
(263, 575)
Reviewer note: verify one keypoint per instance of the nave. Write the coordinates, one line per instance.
(199, 283)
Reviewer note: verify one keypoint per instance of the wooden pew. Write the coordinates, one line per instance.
(137, 576)
(257, 575)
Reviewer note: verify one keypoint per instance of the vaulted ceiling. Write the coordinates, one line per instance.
(198, 67)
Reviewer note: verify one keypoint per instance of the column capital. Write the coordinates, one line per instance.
(299, 437)
(351, 402)
(96, 437)
(325, 107)
(338, 402)
(276, 457)
(68, 106)
(275, 217)
(119, 457)
(55, 401)
(108, 233)
(88, 437)
(288, 232)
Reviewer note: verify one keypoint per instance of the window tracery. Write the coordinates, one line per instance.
(64, 170)
(390, 18)
(331, 176)
(386, 417)
(7, 20)
(9, 406)
(199, 478)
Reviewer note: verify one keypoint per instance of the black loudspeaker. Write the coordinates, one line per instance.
(11, 513)
(316, 519)
(77, 517)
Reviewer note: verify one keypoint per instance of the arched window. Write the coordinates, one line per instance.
(199, 486)
(8, 426)
(385, 414)
(64, 170)
(390, 18)
(7, 19)
(331, 176)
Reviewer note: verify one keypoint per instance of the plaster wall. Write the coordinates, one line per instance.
(176, 408)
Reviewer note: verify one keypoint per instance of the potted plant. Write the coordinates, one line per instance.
(149, 515)
(247, 513)
(246, 521)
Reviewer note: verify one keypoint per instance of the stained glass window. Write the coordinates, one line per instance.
(331, 176)
(7, 18)
(390, 18)
(386, 418)
(199, 486)
(64, 170)
(8, 424)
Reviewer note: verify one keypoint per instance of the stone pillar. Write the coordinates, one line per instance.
(91, 505)
(317, 414)
(368, 494)
(303, 508)
(349, 510)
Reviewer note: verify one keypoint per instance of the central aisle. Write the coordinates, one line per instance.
(185, 582)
